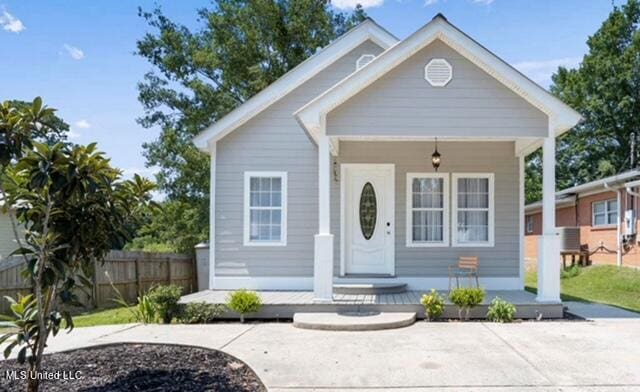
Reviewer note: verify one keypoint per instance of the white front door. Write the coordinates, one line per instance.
(368, 212)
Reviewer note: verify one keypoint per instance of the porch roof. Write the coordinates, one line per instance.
(312, 116)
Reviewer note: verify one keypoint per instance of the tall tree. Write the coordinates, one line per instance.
(605, 89)
(199, 76)
(74, 208)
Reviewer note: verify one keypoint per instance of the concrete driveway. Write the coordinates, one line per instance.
(602, 355)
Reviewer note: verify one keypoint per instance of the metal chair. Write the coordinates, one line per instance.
(467, 267)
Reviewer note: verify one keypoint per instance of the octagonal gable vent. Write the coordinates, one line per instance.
(364, 60)
(438, 72)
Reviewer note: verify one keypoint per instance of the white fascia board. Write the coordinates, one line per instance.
(562, 117)
(367, 30)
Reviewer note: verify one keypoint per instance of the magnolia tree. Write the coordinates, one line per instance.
(74, 207)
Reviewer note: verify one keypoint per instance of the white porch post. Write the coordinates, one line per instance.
(549, 244)
(212, 217)
(323, 248)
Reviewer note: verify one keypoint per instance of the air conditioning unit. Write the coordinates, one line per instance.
(629, 222)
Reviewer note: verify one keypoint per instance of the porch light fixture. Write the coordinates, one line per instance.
(435, 157)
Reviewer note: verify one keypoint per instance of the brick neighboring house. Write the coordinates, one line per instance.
(606, 212)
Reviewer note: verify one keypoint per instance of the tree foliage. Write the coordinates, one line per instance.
(605, 89)
(199, 76)
(74, 208)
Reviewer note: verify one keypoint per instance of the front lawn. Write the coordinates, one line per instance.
(604, 284)
(103, 317)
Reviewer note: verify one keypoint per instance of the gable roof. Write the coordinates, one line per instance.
(367, 30)
(312, 116)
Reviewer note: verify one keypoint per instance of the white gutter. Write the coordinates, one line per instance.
(618, 225)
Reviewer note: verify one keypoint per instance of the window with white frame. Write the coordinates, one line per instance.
(265, 212)
(605, 212)
(530, 224)
(473, 209)
(427, 209)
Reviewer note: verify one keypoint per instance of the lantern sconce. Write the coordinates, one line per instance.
(435, 157)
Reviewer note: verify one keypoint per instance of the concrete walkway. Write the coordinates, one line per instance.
(598, 355)
(595, 311)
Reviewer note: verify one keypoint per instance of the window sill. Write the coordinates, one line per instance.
(427, 244)
(265, 244)
(603, 227)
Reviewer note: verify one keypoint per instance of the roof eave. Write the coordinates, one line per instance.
(367, 30)
(562, 117)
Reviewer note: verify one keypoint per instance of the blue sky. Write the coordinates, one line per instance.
(78, 55)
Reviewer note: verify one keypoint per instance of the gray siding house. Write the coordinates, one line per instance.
(326, 176)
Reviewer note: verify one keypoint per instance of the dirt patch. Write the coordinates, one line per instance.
(141, 367)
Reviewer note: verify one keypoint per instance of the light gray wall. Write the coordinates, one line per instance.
(402, 101)
(502, 260)
(8, 241)
(274, 141)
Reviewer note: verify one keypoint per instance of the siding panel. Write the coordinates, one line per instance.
(472, 104)
(274, 141)
(502, 260)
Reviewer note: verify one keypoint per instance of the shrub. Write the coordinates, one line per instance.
(466, 299)
(143, 312)
(243, 302)
(501, 311)
(433, 305)
(165, 301)
(570, 272)
(200, 312)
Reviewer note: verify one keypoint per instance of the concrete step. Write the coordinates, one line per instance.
(369, 288)
(353, 321)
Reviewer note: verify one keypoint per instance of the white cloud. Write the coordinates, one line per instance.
(11, 23)
(82, 124)
(73, 134)
(480, 2)
(75, 53)
(541, 71)
(350, 4)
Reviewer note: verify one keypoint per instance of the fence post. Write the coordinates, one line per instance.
(95, 290)
(169, 269)
(138, 278)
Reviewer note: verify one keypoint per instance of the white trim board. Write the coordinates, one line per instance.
(306, 283)
(367, 30)
(561, 116)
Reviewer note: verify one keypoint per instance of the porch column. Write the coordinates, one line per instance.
(323, 246)
(549, 244)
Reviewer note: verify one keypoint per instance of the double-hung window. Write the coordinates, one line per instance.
(427, 209)
(473, 209)
(265, 212)
(605, 212)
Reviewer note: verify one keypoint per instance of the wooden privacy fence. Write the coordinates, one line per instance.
(130, 273)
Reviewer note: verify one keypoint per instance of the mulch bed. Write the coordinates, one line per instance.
(142, 367)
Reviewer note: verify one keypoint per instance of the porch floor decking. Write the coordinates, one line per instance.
(283, 304)
(411, 297)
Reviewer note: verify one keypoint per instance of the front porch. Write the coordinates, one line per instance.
(284, 304)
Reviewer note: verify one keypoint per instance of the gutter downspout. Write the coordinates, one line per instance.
(618, 225)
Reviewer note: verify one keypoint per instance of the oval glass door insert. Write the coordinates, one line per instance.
(368, 211)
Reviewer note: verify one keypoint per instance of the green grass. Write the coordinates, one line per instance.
(103, 317)
(604, 284)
